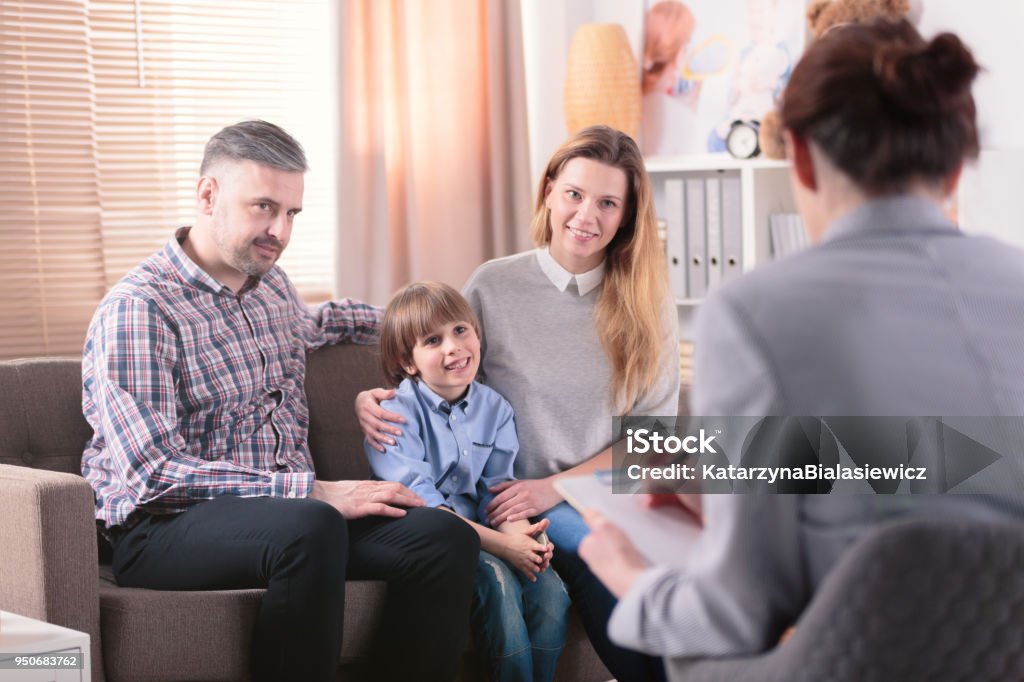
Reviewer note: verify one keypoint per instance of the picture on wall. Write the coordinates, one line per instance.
(710, 63)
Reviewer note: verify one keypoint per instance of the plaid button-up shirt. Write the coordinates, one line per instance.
(194, 391)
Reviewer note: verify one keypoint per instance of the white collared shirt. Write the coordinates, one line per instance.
(560, 277)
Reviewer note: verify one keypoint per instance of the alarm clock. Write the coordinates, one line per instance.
(741, 141)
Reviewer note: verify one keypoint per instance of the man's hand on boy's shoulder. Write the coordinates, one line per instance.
(356, 499)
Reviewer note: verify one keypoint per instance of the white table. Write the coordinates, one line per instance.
(51, 645)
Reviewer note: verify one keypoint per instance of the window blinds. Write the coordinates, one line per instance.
(106, 106)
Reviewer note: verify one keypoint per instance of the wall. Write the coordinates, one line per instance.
(989, 187)
(989, 27)
(548, 28)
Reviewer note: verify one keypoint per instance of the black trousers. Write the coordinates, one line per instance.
(301, 551)
(595, 604)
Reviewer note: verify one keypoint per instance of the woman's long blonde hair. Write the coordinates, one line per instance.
(630, 310)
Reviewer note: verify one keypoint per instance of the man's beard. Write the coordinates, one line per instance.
(242, 258)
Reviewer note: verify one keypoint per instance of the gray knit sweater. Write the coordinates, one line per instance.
(541, 351)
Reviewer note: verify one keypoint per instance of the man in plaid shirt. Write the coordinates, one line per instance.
(193, 376)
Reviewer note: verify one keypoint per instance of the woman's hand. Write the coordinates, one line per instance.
(517, 500)
(610, 554)
(373, 418)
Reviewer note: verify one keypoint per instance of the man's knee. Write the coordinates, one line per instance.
(319, 533)
(451, 543)
(452, 535)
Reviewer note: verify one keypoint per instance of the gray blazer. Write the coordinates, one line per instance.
(895, 312)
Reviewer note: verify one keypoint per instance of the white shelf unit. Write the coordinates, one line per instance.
(764, 190)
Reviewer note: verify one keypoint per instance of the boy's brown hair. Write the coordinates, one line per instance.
(415, 311)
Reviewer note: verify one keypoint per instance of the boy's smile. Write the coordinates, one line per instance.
(447, 359)
(458, 364)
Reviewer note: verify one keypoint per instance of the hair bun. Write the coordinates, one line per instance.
(925, 79)
(953, 63)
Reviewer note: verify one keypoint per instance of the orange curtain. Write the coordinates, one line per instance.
(433, 176)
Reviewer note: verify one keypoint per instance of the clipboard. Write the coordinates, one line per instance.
(663, 535)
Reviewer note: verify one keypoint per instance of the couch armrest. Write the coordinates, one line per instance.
(50, 570)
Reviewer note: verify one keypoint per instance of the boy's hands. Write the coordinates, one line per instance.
(524, 553)
(537, 531)
(373, 418)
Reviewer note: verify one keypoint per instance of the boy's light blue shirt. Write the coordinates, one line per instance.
(449, 454)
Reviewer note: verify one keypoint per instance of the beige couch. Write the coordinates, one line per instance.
(51, 570)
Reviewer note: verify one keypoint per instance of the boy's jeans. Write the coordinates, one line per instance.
(518, 625)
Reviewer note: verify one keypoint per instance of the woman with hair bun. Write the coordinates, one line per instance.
(893, 312)
(878, 113)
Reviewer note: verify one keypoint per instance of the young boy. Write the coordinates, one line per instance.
(459, 439)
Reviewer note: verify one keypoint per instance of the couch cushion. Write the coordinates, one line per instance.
(41, 413)
(162, 636)
(334, 376)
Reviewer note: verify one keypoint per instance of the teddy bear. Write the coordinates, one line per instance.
(821, 16)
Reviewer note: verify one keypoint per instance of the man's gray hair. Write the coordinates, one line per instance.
(259, 141)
